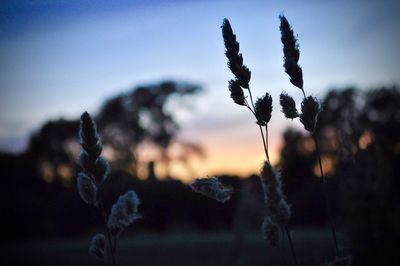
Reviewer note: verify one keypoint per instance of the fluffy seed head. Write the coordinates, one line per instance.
(291, 53)
(282, 212)
(87, 188)
(235, 59)
(212, 188)
(310, 108)
(263, 109)
(101, 169)
(89, 138)
(275, 200)
(237, 93)
(123, 212)
(97, 246)
(288, 106)
(270, 179)
(271, 231)
(89, 158)
(86, 162)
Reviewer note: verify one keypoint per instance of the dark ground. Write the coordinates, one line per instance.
(313, 247)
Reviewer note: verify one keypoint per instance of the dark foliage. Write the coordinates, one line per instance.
(139, 116)
(364, 192)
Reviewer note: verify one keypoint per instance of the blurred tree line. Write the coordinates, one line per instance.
(359, 136)
(359, 132)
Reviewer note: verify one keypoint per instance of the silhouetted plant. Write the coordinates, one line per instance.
(90, 182)
(291, 54)
(277, 210)
(211, 187)
(263, 107)
(310, 106)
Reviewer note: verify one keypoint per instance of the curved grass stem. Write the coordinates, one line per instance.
(266, 140)
(326, 196)
(265, 143)
(282, 251)
(111, 247)
(109, 237)
(291, 245)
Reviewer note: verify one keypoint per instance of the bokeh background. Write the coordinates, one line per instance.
(154, 76)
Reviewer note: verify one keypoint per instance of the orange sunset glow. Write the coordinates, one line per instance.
(224, 154)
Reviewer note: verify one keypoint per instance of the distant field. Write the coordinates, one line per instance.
(313, 247)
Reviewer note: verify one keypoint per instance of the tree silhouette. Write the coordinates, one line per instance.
(142, 115)
(359, 133)
(125, 121)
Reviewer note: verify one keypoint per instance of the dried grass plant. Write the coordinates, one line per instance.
(277, 210)
(90, 183)
(310, 106)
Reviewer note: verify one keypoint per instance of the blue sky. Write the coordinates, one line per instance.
(59, 58)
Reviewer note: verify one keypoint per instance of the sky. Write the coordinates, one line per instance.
(59, 58)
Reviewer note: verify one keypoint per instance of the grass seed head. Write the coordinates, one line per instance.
(101, 169)
(275, 200)
(235, 59)
(271, 231)
(123, 212)
(291, 53)
(86, 162)
(282, 212)
(270, 176)
(212, 188)
(310, 108)
(263, 109)
(87, 188)
(237, 93)
(288, 106)
(97, 247)
(89, 137)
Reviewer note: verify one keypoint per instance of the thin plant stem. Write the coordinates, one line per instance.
(111, 247)
(282, 248)
(265, 142)
(262, 134)
(326, 195)
(304, 94)
(251, 98)
(291, 245)
(115, 244)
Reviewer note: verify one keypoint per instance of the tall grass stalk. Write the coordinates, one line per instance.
(262, 110)
(112, 250)
(90, 184)
(310, 106)
(326, 195)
